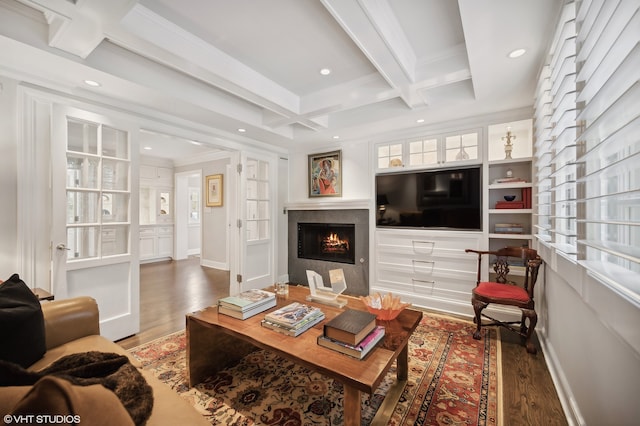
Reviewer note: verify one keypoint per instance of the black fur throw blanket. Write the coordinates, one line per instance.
(111, 370)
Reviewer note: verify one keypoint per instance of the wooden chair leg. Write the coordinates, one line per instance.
(533, 320)
(523, 325)
(477, 308)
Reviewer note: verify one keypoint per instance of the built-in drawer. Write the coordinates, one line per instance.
(455, 260)
(424, 253)
(147, 231)
(430, 268)
(165, 230)
(388, 272)
(426, 242)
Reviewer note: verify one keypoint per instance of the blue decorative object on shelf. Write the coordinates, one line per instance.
(509, 197)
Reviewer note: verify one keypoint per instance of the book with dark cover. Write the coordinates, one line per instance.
(350, 326)
(359, 351)
(247, 313)
(292, 314)
(247, 299)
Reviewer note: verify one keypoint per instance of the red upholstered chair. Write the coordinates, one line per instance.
(502, 291)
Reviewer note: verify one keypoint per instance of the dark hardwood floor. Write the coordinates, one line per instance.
(169, 290)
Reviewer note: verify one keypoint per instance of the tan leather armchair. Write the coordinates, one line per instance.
(70, 319)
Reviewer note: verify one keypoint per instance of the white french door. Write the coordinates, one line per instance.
(95, 215)
(256, 226)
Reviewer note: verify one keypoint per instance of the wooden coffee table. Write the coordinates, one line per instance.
(215, 342)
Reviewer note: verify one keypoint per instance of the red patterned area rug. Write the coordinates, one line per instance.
(453, 380)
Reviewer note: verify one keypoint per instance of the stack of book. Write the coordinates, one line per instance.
(352, 332)
(509, 228)
(293, 319)
(247, 304)
(509, 205)
(509, 180)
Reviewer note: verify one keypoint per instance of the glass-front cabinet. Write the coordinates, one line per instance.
(98, 190)
(430, 151)
(155, 205)
(156, 212)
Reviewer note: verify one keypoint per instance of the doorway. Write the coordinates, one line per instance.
(188, 210)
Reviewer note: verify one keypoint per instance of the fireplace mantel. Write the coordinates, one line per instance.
(329, 205)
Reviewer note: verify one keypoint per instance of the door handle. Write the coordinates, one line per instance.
(61, 246)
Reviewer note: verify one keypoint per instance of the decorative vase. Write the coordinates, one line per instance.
(462, 154)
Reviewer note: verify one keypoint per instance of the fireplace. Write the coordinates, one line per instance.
(330, 239)
(332, 242)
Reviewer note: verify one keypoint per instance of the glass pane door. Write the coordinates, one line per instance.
(98, 190)
(258, 200)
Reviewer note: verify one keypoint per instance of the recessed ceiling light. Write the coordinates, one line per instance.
(325, 71)
(241, 130)
(336, 137)
(420, 120)
(92, 83)
(517, 53)
(148, 148)
(195, 143)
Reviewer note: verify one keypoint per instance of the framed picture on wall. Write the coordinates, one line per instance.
(214, 190)
(325, 174)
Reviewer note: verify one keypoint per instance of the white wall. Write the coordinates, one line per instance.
(213, 228)
(356, 173)
(214, 220)
(591, 341)
(8, 180)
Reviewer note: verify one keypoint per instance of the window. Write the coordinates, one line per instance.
(587, 144)
(609, 145)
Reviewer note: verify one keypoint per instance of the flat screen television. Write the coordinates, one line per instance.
(438, 199)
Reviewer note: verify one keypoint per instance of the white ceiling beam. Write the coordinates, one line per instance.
(79, 28)
(374, 27)
(375, 40)
(152, 36)
(317, 123)
(386, 24)
(317, 106)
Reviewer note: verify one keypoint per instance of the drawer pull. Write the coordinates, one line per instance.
(425, 247)
(426, 284)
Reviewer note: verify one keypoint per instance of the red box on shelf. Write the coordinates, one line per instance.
(510, 205)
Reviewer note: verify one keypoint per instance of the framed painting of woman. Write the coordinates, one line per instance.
(325, 174)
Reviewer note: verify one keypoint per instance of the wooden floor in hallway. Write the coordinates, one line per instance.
(170, 289)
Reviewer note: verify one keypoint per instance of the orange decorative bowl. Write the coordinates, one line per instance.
(386, 307)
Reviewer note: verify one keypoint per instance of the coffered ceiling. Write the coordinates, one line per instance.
(256, 65)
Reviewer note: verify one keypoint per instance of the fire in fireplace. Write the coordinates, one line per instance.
(333, 242)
